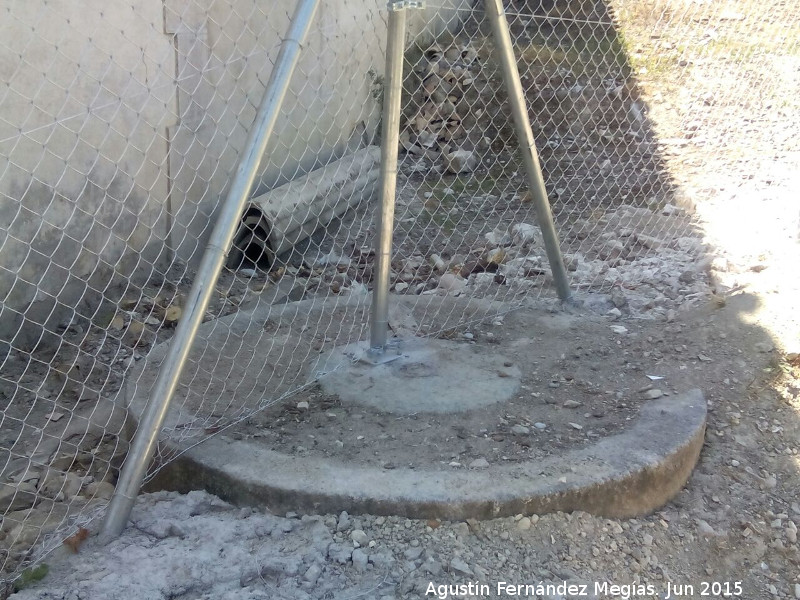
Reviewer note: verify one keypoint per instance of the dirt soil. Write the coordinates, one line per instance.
(581, 380)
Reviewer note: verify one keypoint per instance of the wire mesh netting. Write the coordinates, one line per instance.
(121, 127)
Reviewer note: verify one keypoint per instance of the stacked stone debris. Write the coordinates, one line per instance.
(435, 130)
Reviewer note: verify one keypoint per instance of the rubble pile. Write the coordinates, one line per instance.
(435, 128)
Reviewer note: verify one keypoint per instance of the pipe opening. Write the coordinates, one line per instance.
(281, 220)
(251, 247)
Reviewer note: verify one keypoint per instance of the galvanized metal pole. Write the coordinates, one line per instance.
(390, 138)
(527, 145)
(144, 442)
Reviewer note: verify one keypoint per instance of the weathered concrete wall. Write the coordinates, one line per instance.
(122, 125)
(82, 155)
(332, 106)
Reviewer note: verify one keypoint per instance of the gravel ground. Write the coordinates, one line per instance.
(735, 522)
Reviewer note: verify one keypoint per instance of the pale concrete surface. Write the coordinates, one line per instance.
(426, 376)
(625, 475)
(82, 153)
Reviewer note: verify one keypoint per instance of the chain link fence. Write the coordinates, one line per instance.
(121, 127)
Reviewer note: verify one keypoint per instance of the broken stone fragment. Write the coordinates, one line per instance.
(483, 278)
(55, 483)
(359, 537)
(16, 497)
(138, 335)
(496, 256)
(459, 566)
(438, 263)
(611, 249)
(571, 262)
(522, 267)
(434, 53)
(474, 266)
(460, 161)
(522, 234)
(498, 238)
(451, 282)
(99, 490)
(25, 527)
(332, 258)
(117, 323)
(129, 303)
(173, 314)
(647, 241)
(452, 54)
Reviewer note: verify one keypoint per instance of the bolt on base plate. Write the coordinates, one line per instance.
(381, 356)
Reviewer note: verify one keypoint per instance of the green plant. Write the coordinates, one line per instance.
(30, 576)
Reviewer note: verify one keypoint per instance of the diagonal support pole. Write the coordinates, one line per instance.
(527, 145)
(144, 442)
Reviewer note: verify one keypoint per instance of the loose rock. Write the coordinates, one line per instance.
(313, 573)
(16, 497)
(359, 537)
(102, 490)
(460, 161)
(459, 566)
(523, 234)
(452, 283)
(360, 559)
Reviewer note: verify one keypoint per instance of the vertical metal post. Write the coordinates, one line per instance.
(144, 442)
(390, 138)
(527, 145)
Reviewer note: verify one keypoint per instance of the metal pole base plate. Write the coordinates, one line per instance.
(381, 356)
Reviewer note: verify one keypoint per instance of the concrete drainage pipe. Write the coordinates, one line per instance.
(282, 218)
